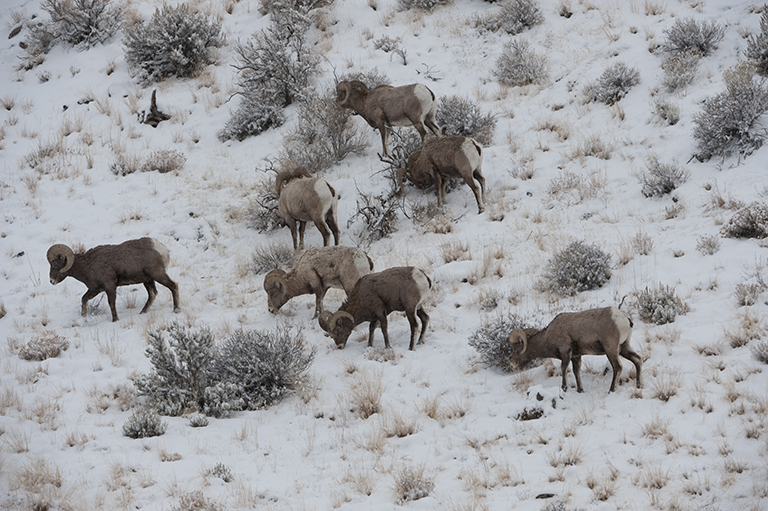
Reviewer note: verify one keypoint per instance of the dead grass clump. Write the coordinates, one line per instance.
(366, 391)
(749, 326)
(48, 345)
(411, 483)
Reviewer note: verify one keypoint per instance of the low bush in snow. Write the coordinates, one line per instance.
(662, 178)
(660, 305)
(708, 244)
(378, 213)
(579, 267)
(424, 5)
(176, 41)
(751, 221)
(263, 214)
(514, 17)
(613, 84)
(492, 341)
(48, 345)
(729, 122)
(197, 501)
(757, 47)
(412, 484)
(690, 35)
(461, 116)
(519, 65)
(164, 161)
(144, 423)
(680, 69)
(760, 350)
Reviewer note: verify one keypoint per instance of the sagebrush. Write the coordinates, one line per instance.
(659, 305)
(519, 65)
(662, 178)
(492, 341)
(751, 221)
(579, 267)
(461, 116)
(691, 35)
(144, 423)
(613, 84)
(757, 47)
(514, 17)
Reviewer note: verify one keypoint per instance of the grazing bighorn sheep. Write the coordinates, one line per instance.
(374, 297)
(303, 198)
(385, 105)
(316, 271)
(443, 158)
(570, 335)
(104, 268)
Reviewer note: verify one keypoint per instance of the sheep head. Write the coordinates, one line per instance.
(61, 259)
(348, 90)
(339, 325)
(518, 336)
(274, 285)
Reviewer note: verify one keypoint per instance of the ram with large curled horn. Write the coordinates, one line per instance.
(385, 105)
(104, 268)
(372, 299)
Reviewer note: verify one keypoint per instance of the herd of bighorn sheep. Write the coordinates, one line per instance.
(370, 297)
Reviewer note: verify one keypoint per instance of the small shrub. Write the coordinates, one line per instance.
(662, 178)
(175, 42)
(690, 35)
(680, 69)
(492, 341)
(708, 244)
(460, 116)
(666, 110)
(579, 267)
(757, 47)
(393, 46)
(751, 221)
(613, 84)
(747, 294)
(424, 5)
(760, 350)
(144, 423)
(519, 65)
(260, 366)
(378, 213)
(48, 345)
(263, 214)
(659, 306)
(256, 114)
(198, 420)
(83, 23)
(196, 501)
(179, 375)
(269, 257)
(324, 135)
(221, 471)
(729, 121)
(514, 17)
(164, 161)
(302, 6)
(411, 484)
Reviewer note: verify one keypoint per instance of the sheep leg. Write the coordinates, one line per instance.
(167, 282)
(91, 293)
(319, 296)
(383, 322)
(440, 184)
(424, 322)
(414, 325)
(292, 226)
(384, 136)
(576, 363)
(616, 364)
(476, 190)
(419, 127)
(564, 362)
(330, 219)
(629, 354)
(371, 331)
(151, 294)
(480, 197)
(325, 232)
(111, 299)
(429, 120)
(302, 228)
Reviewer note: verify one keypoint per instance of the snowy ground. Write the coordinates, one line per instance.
(704, 447)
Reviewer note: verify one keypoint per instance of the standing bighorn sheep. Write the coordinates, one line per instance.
(303, 198)
(570, 335)
(104, 268)
(443, 158)
(385, 105)
(374, 297)
(316, 271)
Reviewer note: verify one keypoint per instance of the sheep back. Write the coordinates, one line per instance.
(302, 198)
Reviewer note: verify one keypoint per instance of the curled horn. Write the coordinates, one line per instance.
(61, 250)
(337, 316)
(323, 320)
(519, 335)
(347, 88)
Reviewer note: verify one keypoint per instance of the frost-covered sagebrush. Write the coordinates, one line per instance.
(613, 84)
(47, 345)
(461, 116)
(578, 267)
(378, 213)
(757, 47)
(176, 41)
(514, 17)
(257, 368)
(729, 122)
(519, 65)
(492, 341)
(424, 5)
(660, 305)
(144, 423)
(180, 361)
(751, 221)
(83, 23)
(662, 178)
(691, 35)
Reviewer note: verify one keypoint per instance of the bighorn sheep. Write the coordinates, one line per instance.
(443, 158)
(104, 268)
(374, 297)
(303, 198)
(317, 270)
(570, 335)
(384, 105)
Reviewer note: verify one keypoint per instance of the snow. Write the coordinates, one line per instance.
(703, 448)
